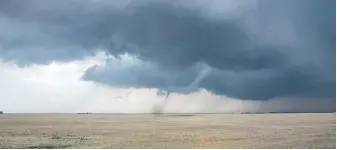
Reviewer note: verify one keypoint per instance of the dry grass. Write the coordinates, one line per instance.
(149, 131)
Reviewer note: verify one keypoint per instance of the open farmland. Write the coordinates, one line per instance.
(168, 131)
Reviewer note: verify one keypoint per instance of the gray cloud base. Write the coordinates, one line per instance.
(273, 48)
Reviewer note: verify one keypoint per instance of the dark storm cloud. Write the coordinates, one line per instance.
(278, 48)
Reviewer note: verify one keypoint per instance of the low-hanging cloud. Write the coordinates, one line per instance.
(58, 88)
(255, 50)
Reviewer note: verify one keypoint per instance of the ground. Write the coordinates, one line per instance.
(168, 131)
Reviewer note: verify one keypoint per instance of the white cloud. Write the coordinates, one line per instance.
(57, 87)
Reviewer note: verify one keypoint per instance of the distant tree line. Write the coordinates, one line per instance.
(85, 113)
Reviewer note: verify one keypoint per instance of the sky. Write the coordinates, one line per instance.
(123, 56)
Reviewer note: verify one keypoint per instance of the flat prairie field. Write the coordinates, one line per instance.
(291, 130)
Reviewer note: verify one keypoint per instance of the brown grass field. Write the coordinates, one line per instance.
(168, 131)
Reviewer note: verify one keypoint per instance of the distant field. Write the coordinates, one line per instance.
(168, 131)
